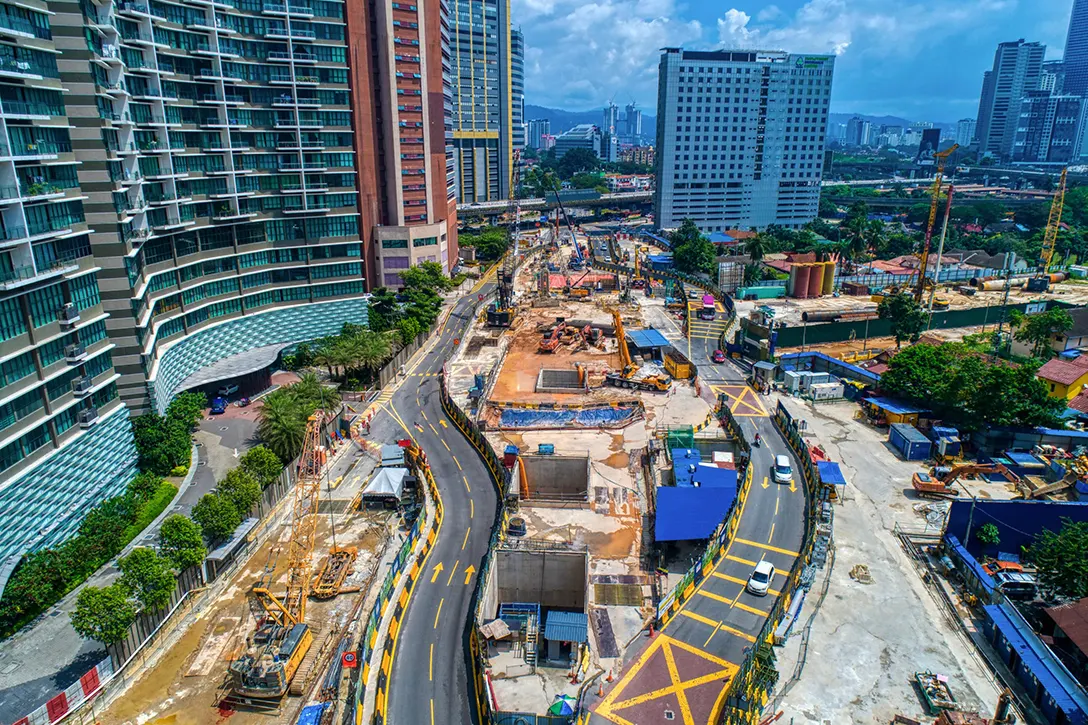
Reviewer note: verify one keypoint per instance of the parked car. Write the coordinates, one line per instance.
(227, 390)
(719, 356)
(760, 580)
(219, 405)
(783, 472)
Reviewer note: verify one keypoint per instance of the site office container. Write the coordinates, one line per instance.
(910, 442)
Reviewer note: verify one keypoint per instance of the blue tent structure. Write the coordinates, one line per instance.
(691, 513)
(830, 473)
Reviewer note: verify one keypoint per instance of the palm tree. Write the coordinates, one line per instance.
(322, 355)
(281, 423)
(373, 350)
(313, 394)
(756, 247)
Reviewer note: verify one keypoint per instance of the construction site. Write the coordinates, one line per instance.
(574, 390)
(268, 637)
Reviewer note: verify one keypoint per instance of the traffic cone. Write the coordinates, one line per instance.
(609, 678)
(600, 689)
(651, 630)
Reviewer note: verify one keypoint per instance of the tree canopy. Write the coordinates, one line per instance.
(490, 242)
(148, 578)
(217, 516)
(1038, 329)
(182, 542)
(907, 318)
(692, 252)
(1061, 559)
(957, 384)
(103, 614)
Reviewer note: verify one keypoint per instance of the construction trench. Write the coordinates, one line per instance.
(552, 480)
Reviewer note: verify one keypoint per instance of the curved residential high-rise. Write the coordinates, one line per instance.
(187, 187)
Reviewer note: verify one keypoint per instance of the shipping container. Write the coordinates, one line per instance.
(678, 366)
(909, 441)
(826, 391)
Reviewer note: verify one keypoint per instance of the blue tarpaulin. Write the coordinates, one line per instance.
(830, 473)
(684, 461)
(688, 513)
(311, 714)
(645, 339)
(708, 475)
(588, 417)
(894, 406)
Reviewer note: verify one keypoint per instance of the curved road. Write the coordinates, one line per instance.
(429, 680)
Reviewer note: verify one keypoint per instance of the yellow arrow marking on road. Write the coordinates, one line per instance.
(453, 571)
(437, 570)
(469, 572)
(793, 486)
(442, 423)
(765, 483)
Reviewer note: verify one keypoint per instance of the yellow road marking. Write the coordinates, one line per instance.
(437, 570)
(438, 612)
(432, 711)
(433, 429)
(739, 560)
(447, 445)
(453, 571)
(430, 667)
(458, 463)
(766, 485)
(465, 478)
(767, 547)
(775, 501)
(716, 628)
(720, 625)
(771, 535)
(424, 414)
(469, 572)
(733, 603)
(743, 583)
(465, 542)
(442, 423)
(700, 618)
(681, 696)
(471, 508)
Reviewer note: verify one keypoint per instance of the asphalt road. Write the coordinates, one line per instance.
(429, 680)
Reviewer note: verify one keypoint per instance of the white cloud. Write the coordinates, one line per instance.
(768, 13)
(870, 27)
(580, 54)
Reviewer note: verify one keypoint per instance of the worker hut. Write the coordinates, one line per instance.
(886, 411)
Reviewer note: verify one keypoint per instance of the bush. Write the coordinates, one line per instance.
(179, 471)
(181, 540)
(217, 517)
(162, 442)
(150, 509)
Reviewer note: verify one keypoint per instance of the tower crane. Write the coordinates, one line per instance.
(501, 312)
(282, 639)
(934, 202)
(1041, 281)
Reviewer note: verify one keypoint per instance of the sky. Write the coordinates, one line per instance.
(921, 60)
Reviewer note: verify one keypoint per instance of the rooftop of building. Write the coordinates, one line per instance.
(1062, 372)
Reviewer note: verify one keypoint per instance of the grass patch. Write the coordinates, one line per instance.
(150, 509)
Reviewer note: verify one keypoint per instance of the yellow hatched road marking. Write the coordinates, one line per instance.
(735, 580)
(740, 560)
(732, 602)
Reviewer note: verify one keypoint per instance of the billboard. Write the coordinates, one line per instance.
(931, 139)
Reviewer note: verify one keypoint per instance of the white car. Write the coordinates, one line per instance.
(783, 473)
(227, 390)
(760, 580)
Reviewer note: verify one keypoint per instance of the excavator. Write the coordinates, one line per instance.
(275, 652)
(627, 377)
(938, 482)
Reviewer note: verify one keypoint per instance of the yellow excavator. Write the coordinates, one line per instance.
(627, 377)
(276, 650)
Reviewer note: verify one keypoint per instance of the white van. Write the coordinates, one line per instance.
(227, 390)
(783, 473)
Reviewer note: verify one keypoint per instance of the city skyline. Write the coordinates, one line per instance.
(910, 77)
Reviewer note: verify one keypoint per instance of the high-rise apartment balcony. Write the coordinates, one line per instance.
(21, 68)
(29, 274)
(22, 109)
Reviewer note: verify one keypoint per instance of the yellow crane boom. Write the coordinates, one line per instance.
(934, 203)
(1053, 222)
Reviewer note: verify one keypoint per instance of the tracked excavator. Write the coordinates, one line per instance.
(628, 375)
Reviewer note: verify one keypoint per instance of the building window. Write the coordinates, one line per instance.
(394, 244)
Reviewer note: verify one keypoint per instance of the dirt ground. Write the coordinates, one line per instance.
(185, 686)
(877, 344)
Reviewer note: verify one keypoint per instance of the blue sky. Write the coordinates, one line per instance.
(919, 60)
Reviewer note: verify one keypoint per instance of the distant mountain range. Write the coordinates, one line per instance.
(565, 120)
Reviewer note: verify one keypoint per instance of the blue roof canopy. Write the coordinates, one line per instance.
(830, 473)
(685, 514)
(647, 338)
(894, 406)
(567, 627)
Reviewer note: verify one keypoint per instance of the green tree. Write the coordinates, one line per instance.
(281, 423)
(143, 486)
(241, 488)
(1061, 559)
(217, 516)
(408, 329)
(756, 247)
(313, 392)
(577, 160)
(262, 464)
(182, 542)
(187, 408)
(148, 577)
(692, 252)
(383, 309)
(490, 243)
(988, 535)
(586, 181)
(907, 318)
(828, 208)
(103, 614)
(1038, 330)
